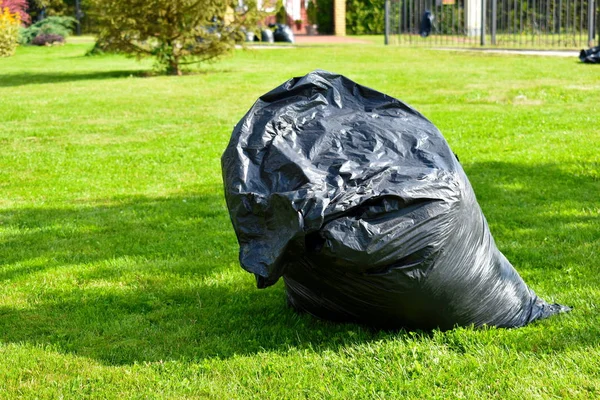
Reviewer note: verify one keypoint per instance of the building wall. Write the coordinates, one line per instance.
(339, 17)
(295, 9)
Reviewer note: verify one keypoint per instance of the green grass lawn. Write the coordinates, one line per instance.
(118, 264)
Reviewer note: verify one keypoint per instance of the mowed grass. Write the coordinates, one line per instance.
(118, 264)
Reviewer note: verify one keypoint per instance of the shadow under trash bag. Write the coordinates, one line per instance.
(357, 201)
(590, 56)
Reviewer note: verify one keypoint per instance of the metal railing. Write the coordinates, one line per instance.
(543, 24)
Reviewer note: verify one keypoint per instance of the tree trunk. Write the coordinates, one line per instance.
(173, 68)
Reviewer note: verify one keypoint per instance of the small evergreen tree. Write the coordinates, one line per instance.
(175, 32)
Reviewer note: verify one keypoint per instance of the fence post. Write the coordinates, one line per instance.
(483, 22)
(387, 22)
(494, 22)
(591, 22)
(78, 15)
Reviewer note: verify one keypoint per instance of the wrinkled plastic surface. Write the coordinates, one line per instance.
(266, 35)
(357, 201)
(250, 36)
(283, 33)
(590, 56)
(426, 24)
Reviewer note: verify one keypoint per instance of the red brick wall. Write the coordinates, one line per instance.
(291, 23)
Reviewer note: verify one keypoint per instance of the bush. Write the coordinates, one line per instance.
(281, 14)
(61, 26)
(365, 17)
(450, 21)
(9, 32)
(312, 13)
(325, 16)
(45, 39)
(17, 7)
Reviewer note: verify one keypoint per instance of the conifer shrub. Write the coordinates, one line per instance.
(9, 32)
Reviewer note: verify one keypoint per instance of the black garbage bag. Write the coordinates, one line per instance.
(590, 56)
(266, 35)
(282, 33)
(250, 36)
(426, 24)
(357, 201)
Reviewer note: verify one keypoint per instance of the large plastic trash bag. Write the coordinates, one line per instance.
(250, 36)
(266, 35)
(426, 24)
(357, 201)
(590, 56)
(283, 33)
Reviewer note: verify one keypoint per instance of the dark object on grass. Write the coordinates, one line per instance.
(46, 39)
(426, 24)
(250, 36)
(590, 56)
(358, 202)
(266, 35)
(283, 33)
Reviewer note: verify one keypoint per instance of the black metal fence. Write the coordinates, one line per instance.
(531, 24)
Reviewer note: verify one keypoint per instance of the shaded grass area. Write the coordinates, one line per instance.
(118, 264)
(37, 78)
